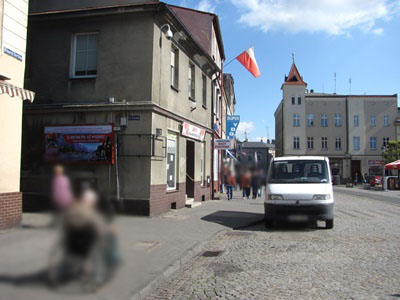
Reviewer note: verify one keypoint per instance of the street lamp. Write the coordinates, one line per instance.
(383, 149)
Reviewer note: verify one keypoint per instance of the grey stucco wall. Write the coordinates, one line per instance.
(125, 44)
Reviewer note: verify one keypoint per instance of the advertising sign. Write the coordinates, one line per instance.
(232, 123)
(193, 132)
(375, 162)
(79, 143)
(223, 144)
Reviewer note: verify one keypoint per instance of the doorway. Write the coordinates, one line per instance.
(356, 169)
(190, 169)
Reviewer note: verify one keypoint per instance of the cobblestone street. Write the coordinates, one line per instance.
(358, 259)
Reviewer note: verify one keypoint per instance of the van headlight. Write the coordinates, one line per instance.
(275, 197)
(322, 197)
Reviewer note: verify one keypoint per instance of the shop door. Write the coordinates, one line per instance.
(190, 169)
(356, 169)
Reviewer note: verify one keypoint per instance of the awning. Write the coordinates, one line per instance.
(13, 91)
(393, 165)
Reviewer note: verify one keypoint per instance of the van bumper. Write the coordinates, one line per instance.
(310, 212)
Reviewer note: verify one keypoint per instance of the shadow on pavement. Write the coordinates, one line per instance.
(38, 278)
(234, 219)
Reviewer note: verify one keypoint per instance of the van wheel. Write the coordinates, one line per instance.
(329, 224)
(269, 223)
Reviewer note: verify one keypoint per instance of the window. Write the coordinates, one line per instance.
(310, 143)
(355, 120)
(310, 120)
(249, 157)
(296, 120)
(174, 67)
(203, 164)
(338, 120)
(372, 143)
(171, 161)
(191, 82)
(338, 143)
(293, 101)
(373, 121)
(324, 143)
(84, 62)
(386, 120)
(204, 81)
(356, 143)
(324, 120)
(298, 100)
(296, 143)
(385, 142)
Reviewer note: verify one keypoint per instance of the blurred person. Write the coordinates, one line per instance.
(88, 244)
(255, 182)
(230, 184)
(62, 195)
(245, 182)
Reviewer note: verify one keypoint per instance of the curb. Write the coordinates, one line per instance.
(174, 267)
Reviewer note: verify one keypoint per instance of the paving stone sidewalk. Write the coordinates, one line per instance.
(390, 196)
(152, 248)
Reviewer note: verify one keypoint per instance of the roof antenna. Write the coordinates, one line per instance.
(334, 77)
(349, 86)
(293, 56)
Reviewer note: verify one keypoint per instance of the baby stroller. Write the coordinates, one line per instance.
(87, 252)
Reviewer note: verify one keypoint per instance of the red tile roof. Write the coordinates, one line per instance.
(294, 77)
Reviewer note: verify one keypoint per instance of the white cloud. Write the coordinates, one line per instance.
(243, 127)
(332, 16)
(207, 5)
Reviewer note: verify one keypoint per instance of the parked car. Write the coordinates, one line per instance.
(299, 188)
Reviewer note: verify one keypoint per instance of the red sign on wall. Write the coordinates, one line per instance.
(193, 132)
(79, 143)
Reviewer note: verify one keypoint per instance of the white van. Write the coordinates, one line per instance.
(299, 188)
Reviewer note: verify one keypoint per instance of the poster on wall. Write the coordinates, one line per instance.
(79, 144)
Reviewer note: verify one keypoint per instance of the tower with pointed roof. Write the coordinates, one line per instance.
(293, 105)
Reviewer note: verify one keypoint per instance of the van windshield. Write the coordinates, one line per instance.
(299, 171)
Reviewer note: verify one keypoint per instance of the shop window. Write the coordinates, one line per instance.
(171, 161)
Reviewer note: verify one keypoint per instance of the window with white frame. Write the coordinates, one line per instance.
(386, 120)
(372, 142)
(204, 83)
(174, 67)
(296, 120)
(324, 143)
(372, 120)
(84, 58)
(203, 164)
(191, 82)
(324, 120)
(338, 120)
(310, 120)
(356, 143)
(338, 143)
(296, 142)
(172, 148)
(385, 142)
(310, 143)
(355, 120)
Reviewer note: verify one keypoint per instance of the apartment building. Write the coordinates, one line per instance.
(13, 23)
(350, 129)
(127, 90)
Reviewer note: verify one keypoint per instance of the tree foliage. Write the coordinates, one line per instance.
(392, 152)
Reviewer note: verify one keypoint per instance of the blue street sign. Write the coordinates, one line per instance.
(232, 123)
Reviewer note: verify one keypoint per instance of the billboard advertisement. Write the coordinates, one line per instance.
(232, 123)
(79, 143)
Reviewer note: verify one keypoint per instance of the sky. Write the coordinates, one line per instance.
(357, 39)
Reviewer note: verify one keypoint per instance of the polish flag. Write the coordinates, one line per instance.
(248, 60)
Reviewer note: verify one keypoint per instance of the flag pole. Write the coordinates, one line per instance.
(225, 65)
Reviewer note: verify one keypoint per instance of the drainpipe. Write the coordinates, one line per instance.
(347, 154)
(212, 136)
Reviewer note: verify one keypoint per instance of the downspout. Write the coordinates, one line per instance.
(212, 136)
(347, 154)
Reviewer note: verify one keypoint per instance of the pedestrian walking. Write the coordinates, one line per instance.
(245, 182)
(230, 185)
(62, 195)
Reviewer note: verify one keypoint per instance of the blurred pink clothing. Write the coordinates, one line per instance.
(61, 191)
